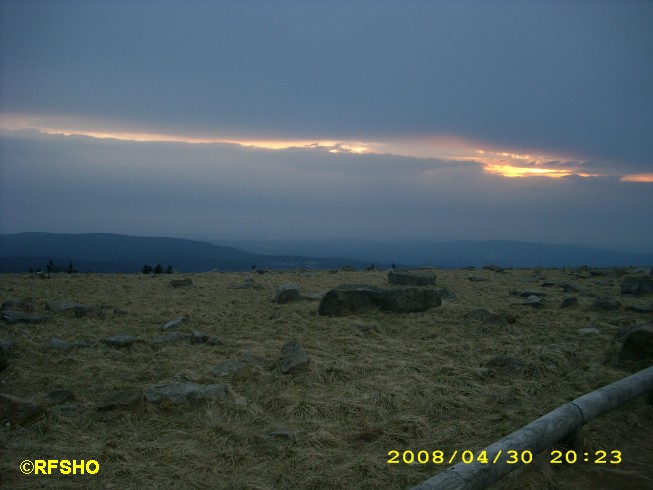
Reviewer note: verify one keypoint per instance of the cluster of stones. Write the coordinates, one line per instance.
(409, 291)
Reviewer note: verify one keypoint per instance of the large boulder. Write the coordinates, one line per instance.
(17, 410)
(638, 346)
(402, 277)
(184, 392)
(637, 285)
(13, 317)
(3, 358)
(287, 293)
(293, 357)
(355, 298)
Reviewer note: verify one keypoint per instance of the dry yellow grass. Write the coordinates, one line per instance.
(420, 382)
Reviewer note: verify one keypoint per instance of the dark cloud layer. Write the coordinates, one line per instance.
(571, 78)
(81, 184)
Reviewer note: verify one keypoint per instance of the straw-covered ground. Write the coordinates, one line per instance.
(376, 382)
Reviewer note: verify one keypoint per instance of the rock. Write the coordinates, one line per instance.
(260, 362)
(641, 308)
(287, 293)
(604, 304)
(181, 283)
(367, 329)
(168, 338)
(446, 293)
(281, 437)
(477, 279)
(61, 396)
(67, 410)
(506, 364)
(17, 410)
(25, 305)
(313, 296)
(403, 277)
(293, 357)
(588, 331)
(249, 283)
(214, 340)
(175, 322)
(637, 285)
(489, 317)
(568, 288)
(569, 302)
(198, 337)
(59, 344)
(13, 317)
(638, 346)
(81, 311)
(525, 293)
(121, 340)
(346, 299)
(230, 368)
(532, 301)
(3, 358)
(121, 399)
(60, 306)
(184, 392)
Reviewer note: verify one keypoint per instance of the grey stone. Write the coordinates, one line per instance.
(175, 322)
(506, 364)
(121, 399)
(604, 304)
(198, 337)
(68, 409)
(446, 293)
(230, 368)
(348, 299)
(60, 306)
(287, 293)
(59, 344)
(169, 338)
(477, 279)
(489, 317)
(402, 277)
(184, 392)
(525, 293)
(181, 283)
(568, 288)
(637, 285)
(3, 358)
(260, 362)
(281, 436)
(641, 308)
(121, 340)
(293, 357)
(81, 311)
(588, 331)
(17, 410)
(532, 301)
(569, 302)
(13, 317)
(638, 346)
(61, 396)
(25, 305)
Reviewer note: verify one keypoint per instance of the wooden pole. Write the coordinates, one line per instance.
(539, 435)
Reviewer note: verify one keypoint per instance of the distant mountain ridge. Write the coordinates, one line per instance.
(106, 252)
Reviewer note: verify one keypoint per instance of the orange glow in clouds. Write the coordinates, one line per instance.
(445, 147)
(637, 178)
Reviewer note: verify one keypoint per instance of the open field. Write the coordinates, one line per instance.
(376, 382)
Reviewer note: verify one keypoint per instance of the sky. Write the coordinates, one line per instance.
(439, 120)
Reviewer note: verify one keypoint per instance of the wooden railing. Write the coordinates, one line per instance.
(562, 424)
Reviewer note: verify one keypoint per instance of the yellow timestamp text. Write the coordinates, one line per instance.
(467, 456)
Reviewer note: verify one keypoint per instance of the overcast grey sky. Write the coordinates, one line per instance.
(390, 119)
